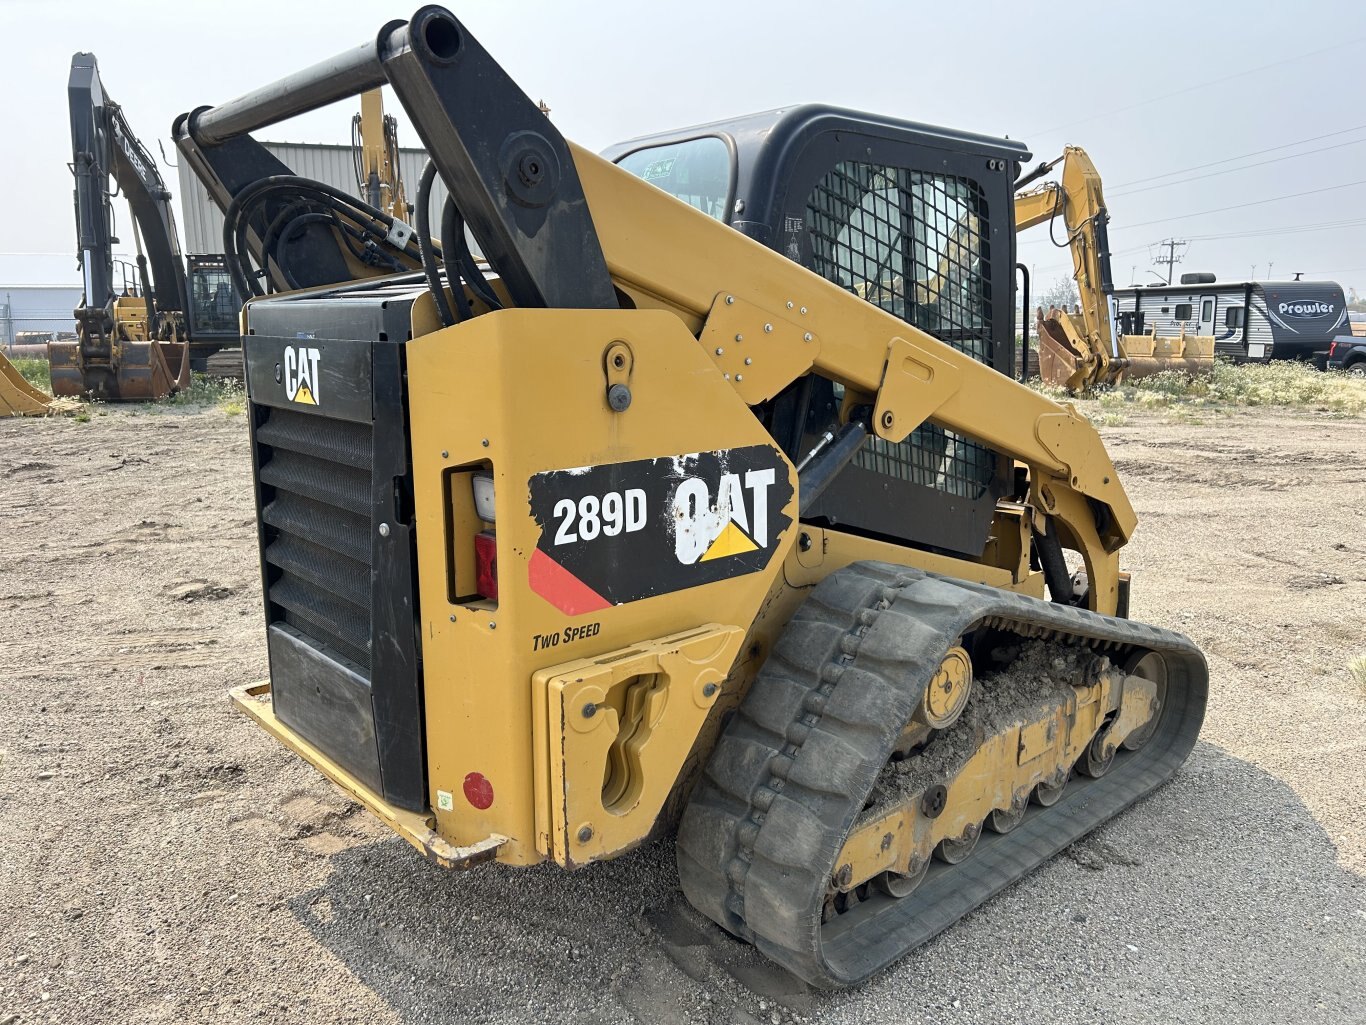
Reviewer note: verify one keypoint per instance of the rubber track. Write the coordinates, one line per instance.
(793, 768)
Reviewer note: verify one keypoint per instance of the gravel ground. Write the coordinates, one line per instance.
(162, 860)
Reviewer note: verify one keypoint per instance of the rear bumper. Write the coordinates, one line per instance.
(253, 699)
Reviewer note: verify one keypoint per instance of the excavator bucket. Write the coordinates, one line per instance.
(1145, 355)
(17, 396)
(1066, 362)
(1062, 363)
(123, 372)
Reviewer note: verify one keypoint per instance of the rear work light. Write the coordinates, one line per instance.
(486, 564)
(485, 542)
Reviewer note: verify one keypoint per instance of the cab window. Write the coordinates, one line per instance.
(697, 171)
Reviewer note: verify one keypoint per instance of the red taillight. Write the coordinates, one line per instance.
(1332, 349)
(486, 564)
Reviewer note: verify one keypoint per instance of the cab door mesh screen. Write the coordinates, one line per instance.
(917, 245)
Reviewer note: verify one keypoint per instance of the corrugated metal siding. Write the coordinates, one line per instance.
(202, 222)
(37, 308)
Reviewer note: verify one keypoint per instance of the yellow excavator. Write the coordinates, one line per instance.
(664, 521)
(1080, 349)
(374, 148)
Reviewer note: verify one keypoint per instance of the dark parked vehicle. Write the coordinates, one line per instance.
(1348, 352)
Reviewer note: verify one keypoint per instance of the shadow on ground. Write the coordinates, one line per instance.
(1217, 897)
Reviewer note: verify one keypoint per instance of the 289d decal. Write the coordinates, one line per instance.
(625, 531)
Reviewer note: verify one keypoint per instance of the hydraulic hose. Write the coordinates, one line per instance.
(424, 245)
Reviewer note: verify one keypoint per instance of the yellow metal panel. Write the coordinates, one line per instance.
(525, 392)
(618, 727)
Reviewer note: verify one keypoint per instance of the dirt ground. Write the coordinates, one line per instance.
(163, 860)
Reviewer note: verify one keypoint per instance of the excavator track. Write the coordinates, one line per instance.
(794, 771)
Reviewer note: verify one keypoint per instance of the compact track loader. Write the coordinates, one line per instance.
(1081, 349)
(712, 513)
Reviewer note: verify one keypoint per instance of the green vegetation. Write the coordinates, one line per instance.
(1289, 385)
(36, 372)
(224, 394)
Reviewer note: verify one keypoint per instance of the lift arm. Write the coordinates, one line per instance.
(104, 147)
(565, 228)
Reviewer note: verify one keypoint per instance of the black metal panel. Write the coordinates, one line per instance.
(506, 166)
(338, 557)
(326, 704)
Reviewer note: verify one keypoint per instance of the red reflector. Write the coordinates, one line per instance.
(486, 564)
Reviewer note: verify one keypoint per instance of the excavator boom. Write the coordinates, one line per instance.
(1080, 349)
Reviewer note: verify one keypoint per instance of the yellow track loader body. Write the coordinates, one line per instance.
(669, 520)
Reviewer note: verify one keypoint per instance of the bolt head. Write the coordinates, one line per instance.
(590, 710)
(748, 361)
(806, 337)
(452, 618)
(739, 377)
(803, 311)
(768, 329)
(730, 300)
(789, 304)
(720, 351)
(585, 834)
(888, 419)
(445, 454)
(804, 542)
(619, 398)
(384, 530)
(739, 338)
(485, 443)
(709, 689)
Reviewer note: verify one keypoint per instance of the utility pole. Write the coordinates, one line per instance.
(1171, 259)
(1269, 265)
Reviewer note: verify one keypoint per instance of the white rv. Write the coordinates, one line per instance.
(1250, 320)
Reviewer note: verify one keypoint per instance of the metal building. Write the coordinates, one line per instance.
(202, 222)
(46, 309)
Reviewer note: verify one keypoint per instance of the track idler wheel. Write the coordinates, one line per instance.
(897, 884)
(1099, 756)
(1150, 666)
(1047, 795)
(952, 852)
(1003, 820)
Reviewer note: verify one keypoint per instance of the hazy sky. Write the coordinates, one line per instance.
(1149, 89)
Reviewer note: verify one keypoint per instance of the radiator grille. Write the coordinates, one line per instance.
(917, 245)
(315, 492)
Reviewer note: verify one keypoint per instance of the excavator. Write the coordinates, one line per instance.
(667, 520)
(1081, 350)
(138, 340)
(374, 147)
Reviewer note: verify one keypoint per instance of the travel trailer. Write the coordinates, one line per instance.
(1251, 321)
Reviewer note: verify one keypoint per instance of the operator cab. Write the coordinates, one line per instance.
(913, 218)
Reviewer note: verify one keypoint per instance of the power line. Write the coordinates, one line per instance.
(1245, 167)
(1199, 85)
(1241, 156)
(1241, 206)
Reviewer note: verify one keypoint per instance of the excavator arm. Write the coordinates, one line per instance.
(1076, 348)
(128, 346)
(104, 148)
